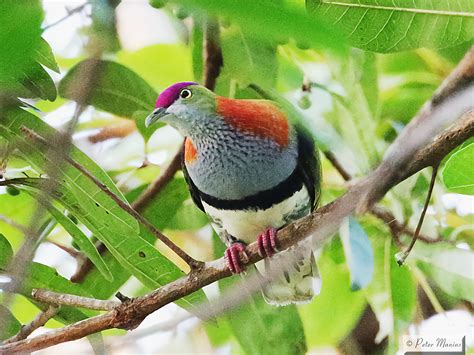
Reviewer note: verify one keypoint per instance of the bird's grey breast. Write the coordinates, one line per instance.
(232, 165)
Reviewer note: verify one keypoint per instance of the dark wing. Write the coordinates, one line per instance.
(309, 165)
(193, 190)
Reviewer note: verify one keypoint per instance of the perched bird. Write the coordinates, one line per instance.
(252, 171)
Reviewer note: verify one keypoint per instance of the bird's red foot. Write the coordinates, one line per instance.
(235, 256)
(267, 243)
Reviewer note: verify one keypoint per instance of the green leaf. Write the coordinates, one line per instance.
(19, 38)
(45, 56)
(84, 243)
(6, 252)
(336, 305)
(392, 292)
(449, 267)
(358, 251)
(19, 209)
(266, 327)
(458, 172)
(161, 64)
(248, 59)
(274, 21)
(118, 90)
(10, 325)
(397, 25)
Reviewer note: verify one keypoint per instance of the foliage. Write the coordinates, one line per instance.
(367, 67)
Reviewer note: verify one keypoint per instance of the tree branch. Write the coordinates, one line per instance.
(321, 224)
(62, 299)
(39, 321)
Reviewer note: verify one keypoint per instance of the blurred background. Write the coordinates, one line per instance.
(354, 94)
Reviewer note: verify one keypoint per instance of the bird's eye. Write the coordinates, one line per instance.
(185, 94)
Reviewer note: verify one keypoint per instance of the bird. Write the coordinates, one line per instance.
(252, 170)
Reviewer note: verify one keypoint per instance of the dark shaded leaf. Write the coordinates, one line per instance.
(119, 90)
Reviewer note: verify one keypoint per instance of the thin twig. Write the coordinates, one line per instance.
(29, 328)
(405, 254)
(87, 265)
(12, 223)
(157, 186)
(338, 166)
(122, 204)
(72, 252)
(63, 299)
(385, 215)
(69, 14)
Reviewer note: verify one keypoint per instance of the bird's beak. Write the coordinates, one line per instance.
(156, 115)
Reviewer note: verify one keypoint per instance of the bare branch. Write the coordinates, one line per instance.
(39, 321)
(213, 60)
(62, 299)
(157, 186)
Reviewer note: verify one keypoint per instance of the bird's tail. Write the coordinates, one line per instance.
(298, 282)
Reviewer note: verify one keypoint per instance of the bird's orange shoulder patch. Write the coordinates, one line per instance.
(259, 117)
(190, 151)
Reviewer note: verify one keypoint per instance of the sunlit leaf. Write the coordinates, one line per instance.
(81, 240)
(458, 172)
(390, 26)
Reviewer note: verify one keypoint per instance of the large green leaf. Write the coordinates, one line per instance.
(274, 20)
(20, 209)
(23, 50)
(117, 90)
(397, 25)
(451, 268)
(258, 327)
(160, 64)
(81, 240)
(248, 59)
(458, 173)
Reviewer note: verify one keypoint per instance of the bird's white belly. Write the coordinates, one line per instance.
(246, 225)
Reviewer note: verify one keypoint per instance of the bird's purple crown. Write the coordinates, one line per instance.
(169, 95)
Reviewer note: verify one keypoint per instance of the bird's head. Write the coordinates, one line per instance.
(183, 105)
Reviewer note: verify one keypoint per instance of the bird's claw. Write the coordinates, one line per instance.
(236, 256)
(267, 243)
